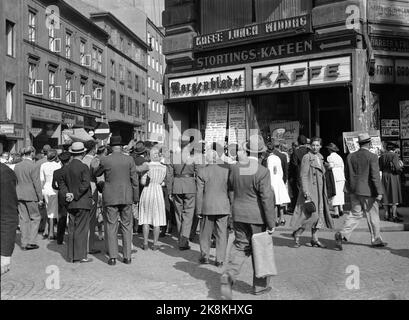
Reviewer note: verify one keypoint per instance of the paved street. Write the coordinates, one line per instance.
(304, 273)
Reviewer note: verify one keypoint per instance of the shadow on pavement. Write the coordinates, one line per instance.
(211, 279)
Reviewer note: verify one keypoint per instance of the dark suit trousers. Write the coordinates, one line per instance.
(184, 210)
(207, 224)
(62, 222)
(29, 218)
(93, 223)
(78, 227)
(113, 213)
(241, 249)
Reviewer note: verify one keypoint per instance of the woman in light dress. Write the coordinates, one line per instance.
(50, 195)
(152, 204)
(336, 164)
(278, 186)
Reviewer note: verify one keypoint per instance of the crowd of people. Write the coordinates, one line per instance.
(71, 195)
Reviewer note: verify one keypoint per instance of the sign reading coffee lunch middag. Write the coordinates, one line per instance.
(269, 29)
(306, 73)
(207, 85)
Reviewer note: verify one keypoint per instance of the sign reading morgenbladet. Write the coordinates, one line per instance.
(270, 29)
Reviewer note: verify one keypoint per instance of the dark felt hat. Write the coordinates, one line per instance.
(332, 147)
(115, 141)
(139, 147)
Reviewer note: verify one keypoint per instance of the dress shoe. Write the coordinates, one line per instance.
(127, 260)
(338, 241)
(225, 287)
(204, 260)
(317, 244)
(94, 251)
(282, 222)
(379, 244)
(86, 260)
(263, 291)
(112, 261)
(219, 264)
(30, 247)
(184, 248)
(297, 243)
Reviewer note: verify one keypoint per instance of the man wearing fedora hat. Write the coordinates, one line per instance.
(364, 186)
(75, 185)
(120, 192)
(252, 210)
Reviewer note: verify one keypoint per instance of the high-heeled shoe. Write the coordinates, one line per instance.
(317, 243)
(296, 239)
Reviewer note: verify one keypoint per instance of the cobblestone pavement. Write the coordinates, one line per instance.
(304, 273)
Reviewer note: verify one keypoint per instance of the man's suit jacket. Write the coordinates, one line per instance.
(121, 180)
(8, 210)
(28, 181)
(56, 184)
(76, 180)
(181, 177)
(362, 174)
(284, 163)
(212, 196)
(253, 196)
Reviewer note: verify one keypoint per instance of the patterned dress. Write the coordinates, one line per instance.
(152, 204)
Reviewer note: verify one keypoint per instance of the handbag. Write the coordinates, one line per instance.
(263, 255)
(309, 207)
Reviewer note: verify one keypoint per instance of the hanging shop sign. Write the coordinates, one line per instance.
(254, 32)
(390, 44)
(271, 50)
(72, 119)
(207, 85)
(391, 71)
(6, 129)
(389, 11)
(308, 73)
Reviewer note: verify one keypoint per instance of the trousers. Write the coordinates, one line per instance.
(207, 225)
(113, 214)
(184, 211)
(78, 226)
(29, 218)
(93, 223)
(360, 206)
(241, 250)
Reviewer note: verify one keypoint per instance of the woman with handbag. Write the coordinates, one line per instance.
(391, 168)
(312, 208)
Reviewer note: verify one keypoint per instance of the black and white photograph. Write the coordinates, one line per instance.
(204, 151)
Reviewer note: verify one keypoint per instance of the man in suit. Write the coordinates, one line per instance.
(75, 185)
(295, 166)
(90, 145)
(253, 212)
(58, 174)
(181, 184)
(120, 192)
(213, 206)
(8, 215)
(29, 196)
(364, 186)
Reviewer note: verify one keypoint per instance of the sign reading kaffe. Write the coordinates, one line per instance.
(307, 73)
(207, 85)
(270, 29)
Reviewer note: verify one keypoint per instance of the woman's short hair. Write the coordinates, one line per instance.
(316, 139)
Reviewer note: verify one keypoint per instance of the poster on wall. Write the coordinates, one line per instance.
(404, 119)
(405, 152)
(285, 131)
(216, 121)
(237, 121)
(351, 141)
(390, 128)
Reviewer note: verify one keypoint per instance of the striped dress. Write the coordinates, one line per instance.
(152, 204)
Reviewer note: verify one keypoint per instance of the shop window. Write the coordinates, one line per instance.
(121, 104)
(32, 26)
(68, 41)
(10, 38)
(32, 76)
(113, 100)
(9, 100)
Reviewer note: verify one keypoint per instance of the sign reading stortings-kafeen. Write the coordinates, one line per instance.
(207, 85)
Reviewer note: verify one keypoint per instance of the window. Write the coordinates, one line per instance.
(149, 39)
(160, 69)
(149, 104)
(129, 79)
(137, 113)
(160, 89)
(51, 84)
(143, 111)
(10, 38)
(149, 126)
(128, 49)
(121, 44)
(160, 48)
(97, 59)
(113, 71)
(82, 52)
(121, 73)
(160, 108)
(157, 86)
(149, 60)
(68, 87)
(157, 65)
(136, 83)
(113, 100)
(149, 81)
(130, 106)
(32, 76)
(51, 38)
(143, 86)
(121, 104)
(96, 96)
(68, 40)
(32, 28)
(83, 100)
(157, 45)
(9, 100)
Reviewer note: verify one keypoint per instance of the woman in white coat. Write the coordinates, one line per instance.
(336, 164)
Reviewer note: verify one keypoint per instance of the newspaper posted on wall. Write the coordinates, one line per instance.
(404, 119)
(351, 141)
(216, 121)
(237, 121)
